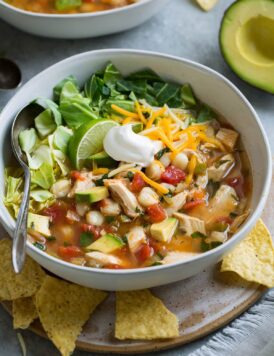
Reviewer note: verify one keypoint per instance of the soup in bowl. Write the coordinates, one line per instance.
(68, 6)
(136, 173)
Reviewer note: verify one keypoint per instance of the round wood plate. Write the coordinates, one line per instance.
(202, 303)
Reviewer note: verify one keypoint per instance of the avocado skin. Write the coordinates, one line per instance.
(248, 80)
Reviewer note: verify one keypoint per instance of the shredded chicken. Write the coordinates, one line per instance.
(99, 259)
(176, 203)
(125, 197)
(81, 185)
(190, 224)
(136, 237)
(221, 168)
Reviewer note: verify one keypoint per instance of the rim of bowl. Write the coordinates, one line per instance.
(81, 15)
(243, 230)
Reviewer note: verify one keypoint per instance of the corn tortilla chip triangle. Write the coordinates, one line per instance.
(141, 316)
(207, 4)
(63, 309)
(20, 285)
(253, 258)
(24, 312)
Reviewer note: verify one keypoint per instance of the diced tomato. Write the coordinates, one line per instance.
(144, 253)
(155, 245)
(193, 204)
(76, 175)
(224, 219)
(156, 213)
(95, 230)
(137, 183)
(238, 184)
(56, 212)
(67, 252)
(173, 175)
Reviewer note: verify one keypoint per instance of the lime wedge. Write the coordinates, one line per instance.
(88, 140)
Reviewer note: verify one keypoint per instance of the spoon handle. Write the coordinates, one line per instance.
(20, 234)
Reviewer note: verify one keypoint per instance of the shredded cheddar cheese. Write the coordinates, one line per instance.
(124, 112)
(127, 121)
(100, 171)
(191, 168)
(153, 184)
(140, 114)
(212, 140)
(157, 113)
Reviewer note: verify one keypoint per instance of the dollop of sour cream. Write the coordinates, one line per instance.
(122, 144)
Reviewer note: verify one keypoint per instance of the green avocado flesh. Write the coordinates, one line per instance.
(106, 244)
(247, 41)
(92, 195)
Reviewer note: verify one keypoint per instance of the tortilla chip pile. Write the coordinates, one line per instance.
(140, 315)
(253, 258)
(63, 307)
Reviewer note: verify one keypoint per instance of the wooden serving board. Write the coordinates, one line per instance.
(202, 303)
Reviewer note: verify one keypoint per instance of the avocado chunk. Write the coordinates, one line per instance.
(106, 244)
(102, 159)
(63, 5)
(39, 223)
(247, 41)
(164, 230)
(92, 195)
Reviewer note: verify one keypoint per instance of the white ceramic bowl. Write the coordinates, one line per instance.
(210, 87)
(81, 25)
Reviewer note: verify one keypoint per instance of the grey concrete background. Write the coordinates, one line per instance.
(180, 29)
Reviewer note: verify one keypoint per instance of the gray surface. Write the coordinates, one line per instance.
(181, 29)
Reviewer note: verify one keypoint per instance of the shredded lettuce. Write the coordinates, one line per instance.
(14, 188)
(41, 155)
(61, 138)
(27, 140)
(58, 88)
(44, 176)
(40, 195)
(45, 123)
(49, 104)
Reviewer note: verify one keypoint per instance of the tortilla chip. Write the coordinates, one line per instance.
(253, 258)
(24, 312)
(207, 4)
(141, 316)
(25, 284)
(63, 309)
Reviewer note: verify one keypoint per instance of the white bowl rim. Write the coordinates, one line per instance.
(78, 15)
(255, 215)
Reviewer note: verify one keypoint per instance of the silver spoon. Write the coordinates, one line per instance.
(10, 74)
(23, 120)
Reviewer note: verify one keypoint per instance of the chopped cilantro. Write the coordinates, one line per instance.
(40, 246)
(51, 238)
(157, 263)
(124, 239)
(86, 238)
(161, 153)
(100, 182)
(198, 235)
(110, 219)
(130, 175)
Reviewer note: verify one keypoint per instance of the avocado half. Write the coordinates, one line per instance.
(247, 41)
